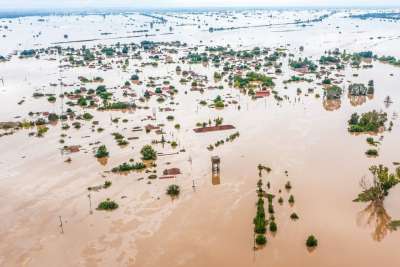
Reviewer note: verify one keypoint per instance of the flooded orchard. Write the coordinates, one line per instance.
(208, 138)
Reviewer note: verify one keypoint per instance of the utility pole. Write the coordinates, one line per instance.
(90, 204)
(61, 224)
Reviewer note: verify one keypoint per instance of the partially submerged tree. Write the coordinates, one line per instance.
(173, 190)
(382, 182)
(148, 153)
(311, 242)
(107, 205)
(102, 152)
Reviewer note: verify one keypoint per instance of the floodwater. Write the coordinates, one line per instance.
(211, 224)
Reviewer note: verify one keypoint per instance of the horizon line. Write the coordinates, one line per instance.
(130, 8)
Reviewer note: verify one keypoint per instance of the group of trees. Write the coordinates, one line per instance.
(107, 205)
(295, 78)
(390, 60)
(333, 92)
(259, 220)
(219, 102)
(367, 122)
(303, 63)
(197, 58)
(329, 60)
(126, 167)
(359, 89)
(102, 152)
(148, 153)
(243, 82)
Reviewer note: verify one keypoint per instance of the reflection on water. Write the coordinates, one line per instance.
(388, 101)
(215, 170)
(376, 216)
(103, 161)
(332, 104)
(215, 178)
(357, 100)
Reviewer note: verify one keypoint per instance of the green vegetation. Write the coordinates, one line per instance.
(371, 141)
(294, 216)
(107, 205)
(393, 225)
(88, 56)
(116, 106)
(288, 185)
(311, 242)
(261, 168)
(82, 102)
(27, 53)
(126, 167)
(148, 153)
(195, 58)
(232, 137)
(295, 78)
(273, 227)
(291, 199)
(368, 122)
(102, 92)
(329, 60)
(41, 131)
(259, 220)
(217, 76)
(122, 142)
(358, 89)
(303, 63)
(102, 152)
(333, 92)
(261, 240)
(87, 116)
(382, 182)
(372, 152)
(390, 60)
(326, 81)
(65, 126)
(76, 124)
(108, 51)
(271, 208)
(53, 117)
(219, 102)
(173, 190)
(364, 54)
(117, 136)
(107, 184)
(244, 82)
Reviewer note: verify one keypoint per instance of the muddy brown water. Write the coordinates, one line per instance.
(210, 225)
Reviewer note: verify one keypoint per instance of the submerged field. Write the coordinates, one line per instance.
(270, 92)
